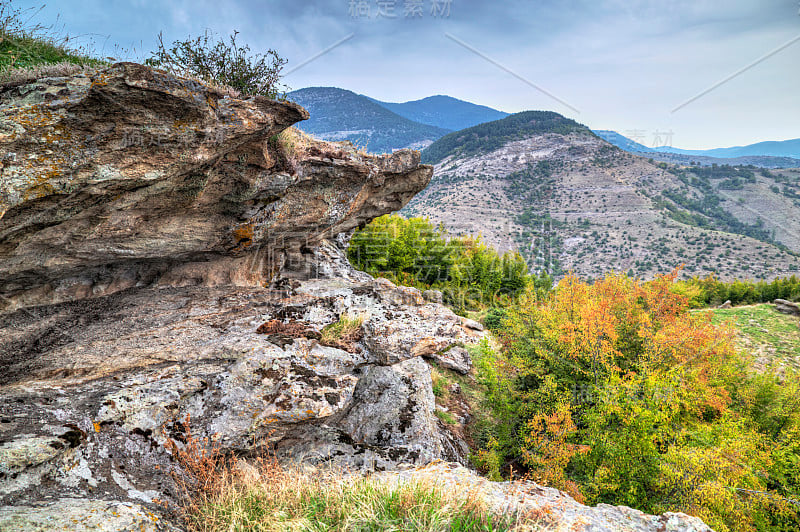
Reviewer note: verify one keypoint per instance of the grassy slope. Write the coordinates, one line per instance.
(25, 52)
(764, 332)
(24, 44)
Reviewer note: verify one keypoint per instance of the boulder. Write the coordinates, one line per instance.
(456, 358)
(787, 307)
(433, 296)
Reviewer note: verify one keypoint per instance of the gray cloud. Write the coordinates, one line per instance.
(623, 63)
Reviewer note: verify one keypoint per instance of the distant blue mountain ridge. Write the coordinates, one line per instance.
(445, 112)
(785, 148)
(339, 114)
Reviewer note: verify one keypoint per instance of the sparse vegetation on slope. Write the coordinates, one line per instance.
(575, 203)
(26, 45)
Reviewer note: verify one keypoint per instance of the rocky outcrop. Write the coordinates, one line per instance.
(92, 389)
(787, 307)
(129, 177)
(167, 263)
(541, 508)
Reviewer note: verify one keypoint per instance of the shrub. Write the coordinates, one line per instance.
(221, 62)
(494, 318)
(615, 390)
(414, 252)
(710, 291)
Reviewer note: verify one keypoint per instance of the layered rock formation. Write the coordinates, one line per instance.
(168, 263)
(131, 176)
(164, 257)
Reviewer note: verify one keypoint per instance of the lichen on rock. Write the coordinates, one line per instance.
(151, 230)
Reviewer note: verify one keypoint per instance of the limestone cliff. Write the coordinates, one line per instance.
(165, 256)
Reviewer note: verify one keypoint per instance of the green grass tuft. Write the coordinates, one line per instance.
(447, 417)
(346, 327)
(24, 45)
(278, 499)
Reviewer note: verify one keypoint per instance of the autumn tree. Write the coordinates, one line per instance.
(617, 391)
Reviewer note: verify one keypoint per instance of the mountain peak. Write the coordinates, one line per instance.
(340, 114)
(445, 112)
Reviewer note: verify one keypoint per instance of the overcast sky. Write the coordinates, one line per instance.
(610, 64)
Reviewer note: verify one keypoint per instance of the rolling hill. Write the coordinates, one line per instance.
(785, 148)
(570, 201)
(490, 136)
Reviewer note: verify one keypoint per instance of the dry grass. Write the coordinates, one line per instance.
(345, 333)
(222, 493)
(25, 44)
(273, 498)
(56, 70)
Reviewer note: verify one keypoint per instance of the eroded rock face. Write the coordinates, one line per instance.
(130, 177)
(167, 263)
(92, 389)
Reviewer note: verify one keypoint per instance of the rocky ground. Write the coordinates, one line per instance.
(170, 267)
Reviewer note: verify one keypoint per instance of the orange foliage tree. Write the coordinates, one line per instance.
(615, 392)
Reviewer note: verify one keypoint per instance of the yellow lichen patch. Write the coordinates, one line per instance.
(101, 79)
(41, 132)
(32, 116)
(184, 128)
(243, 236)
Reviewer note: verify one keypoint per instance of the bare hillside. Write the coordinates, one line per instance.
(574, 202)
